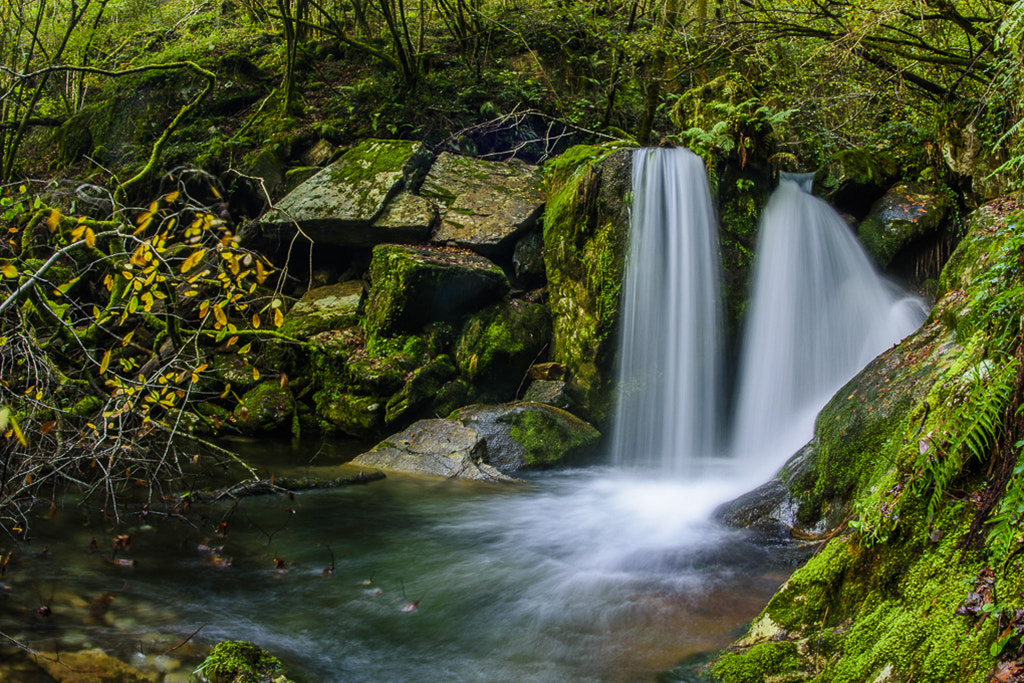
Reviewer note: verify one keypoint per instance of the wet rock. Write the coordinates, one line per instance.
(333, 307)
(411, 286)
(485, 204)
(437, 447)
(906, 212)
(497, 347)
(854, 179)
(522, 435)
(338, 205)
(550, 391)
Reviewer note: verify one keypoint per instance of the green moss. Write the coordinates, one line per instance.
(352, 414)
(547, 440)
(237, 661)
(266, 408)
(763, 662)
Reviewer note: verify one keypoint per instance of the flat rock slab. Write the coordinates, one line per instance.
(437, 448)
(906, 212)
(484, 204)
(342, 204)
(410, 286)
(523, 434)
(333, 307)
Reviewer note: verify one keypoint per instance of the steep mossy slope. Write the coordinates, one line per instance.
(915, 482)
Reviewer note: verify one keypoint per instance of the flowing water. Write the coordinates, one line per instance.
(605, 574)
(819, 312)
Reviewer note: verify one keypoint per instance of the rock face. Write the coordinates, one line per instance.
(333, 307)
(439, 448)
(413, 285)
(586, 229)
(522, 435)
(485, 204)
(853, 179)
(356, 201)
(906, 212)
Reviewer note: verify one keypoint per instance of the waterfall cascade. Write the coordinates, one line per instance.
(819, 312)
(670, 399)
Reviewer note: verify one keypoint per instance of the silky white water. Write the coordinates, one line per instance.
(669, 411)
(819, 312)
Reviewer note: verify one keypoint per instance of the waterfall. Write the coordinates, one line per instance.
(819, 312)
(669, 409)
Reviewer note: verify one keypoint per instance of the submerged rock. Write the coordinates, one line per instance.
(485, 204)
(522, 435)
(906, 212)
(437, 447)
(89, 666)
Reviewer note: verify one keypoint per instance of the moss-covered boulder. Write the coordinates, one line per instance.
(553, 392)
(485, 204)
(586, 233)
(340, 204)
(268, 407)
(498, 346)
(412, 286)
(333, 307)
(523, 435)
(437, 448)
(907, 212)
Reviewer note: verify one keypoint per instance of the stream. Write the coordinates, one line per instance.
(586, 574)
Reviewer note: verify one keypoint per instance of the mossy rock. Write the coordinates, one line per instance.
(528, 435)
(268, 407)
(421, 390)
(237, 661)
(907, 212)
(853, 179)
(381, 375)
(329, 353)
(498, 346)
(235, 370)
(412, 286)
(339, 205)
(333, 307)
(353, 414)
(586, 233)
(486, 204)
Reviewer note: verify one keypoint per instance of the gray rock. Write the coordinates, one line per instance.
(549, 391)
(485, 204)
(521, 435)
(439, 448)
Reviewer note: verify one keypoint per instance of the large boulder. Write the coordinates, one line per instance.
(522, 435)
(356, 201)
(411, 286)
(485, 204)
(853, 179)
(333, 307)
(907, 212)
(438, 448)
(586, 233)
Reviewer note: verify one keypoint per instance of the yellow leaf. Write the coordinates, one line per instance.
(154, 206)
(53, 220)
(9, 270)
(204, 308)
(232, 341)
(127, 338)
(227, 390)
(105, 363)
(278, 317)
(90, 238)
(172, 196)
(256, 320)
(255, 374)
(145, 221)
(78, 231)
(218, 313)
(261, 272)
(192, 260)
